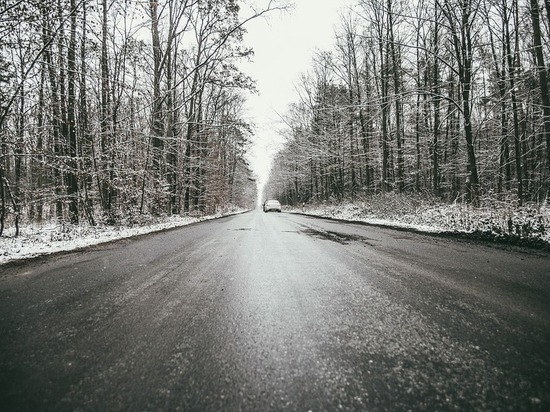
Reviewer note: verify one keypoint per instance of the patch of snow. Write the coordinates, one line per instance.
(37, 240)
(496, 221)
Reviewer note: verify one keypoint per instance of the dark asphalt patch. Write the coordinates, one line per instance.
(341, 238)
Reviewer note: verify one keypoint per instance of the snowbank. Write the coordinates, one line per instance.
(36, 240)
(525, 225)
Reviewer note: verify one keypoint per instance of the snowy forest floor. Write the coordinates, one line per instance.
(498, 221)
(43, 239)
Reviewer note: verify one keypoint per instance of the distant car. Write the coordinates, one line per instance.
(272, 206)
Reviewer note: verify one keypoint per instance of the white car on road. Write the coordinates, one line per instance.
(272, 206)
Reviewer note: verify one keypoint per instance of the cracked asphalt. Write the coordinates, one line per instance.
(278, 312)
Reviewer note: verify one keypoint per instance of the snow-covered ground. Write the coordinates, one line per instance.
(496, 221)
(36, 240)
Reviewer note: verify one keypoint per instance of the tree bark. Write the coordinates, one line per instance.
(462, 42)
(542, 73)
(72, 151)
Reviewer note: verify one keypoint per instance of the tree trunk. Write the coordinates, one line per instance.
(54, 96)
(462, 42)
(396, 73)
(85, 147)
(104, 184)
(72, 181)
(437, 106)
(156, 111)
(543, 74)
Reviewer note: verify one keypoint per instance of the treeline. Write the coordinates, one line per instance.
(444, 97)
(113, 109)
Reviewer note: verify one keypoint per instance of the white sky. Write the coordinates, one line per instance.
(284, 44)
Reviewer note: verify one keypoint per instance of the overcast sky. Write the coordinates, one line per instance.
(284, 44)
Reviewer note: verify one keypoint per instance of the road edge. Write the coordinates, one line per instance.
(58, 253)
(481, 237)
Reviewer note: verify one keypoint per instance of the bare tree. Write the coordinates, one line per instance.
(542, 71)
(461, 18)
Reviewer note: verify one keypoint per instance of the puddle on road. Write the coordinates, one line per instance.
(341, 238)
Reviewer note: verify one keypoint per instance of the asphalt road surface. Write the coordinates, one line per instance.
(261, 312)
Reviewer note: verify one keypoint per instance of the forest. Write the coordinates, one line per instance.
(447, 99)
(115, 110)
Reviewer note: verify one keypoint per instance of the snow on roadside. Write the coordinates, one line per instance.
(38, 240)
(497, 221)
(526, 223)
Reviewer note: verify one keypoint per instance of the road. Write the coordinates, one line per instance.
(261, 312)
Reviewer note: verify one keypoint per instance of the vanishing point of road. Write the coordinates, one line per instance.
(260, 312)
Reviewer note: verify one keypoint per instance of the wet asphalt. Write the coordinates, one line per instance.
(275, 311)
